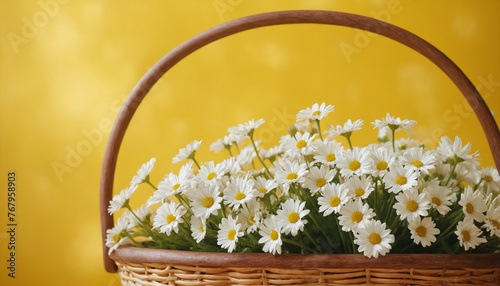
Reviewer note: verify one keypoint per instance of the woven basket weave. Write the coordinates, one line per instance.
(140, 266)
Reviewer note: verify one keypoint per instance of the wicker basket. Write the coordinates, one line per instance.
(140, 266)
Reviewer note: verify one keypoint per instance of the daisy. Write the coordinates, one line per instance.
(290, 216)
(354, 215)
(143, 172)
(354, 161)
(333, 197)
(198, 228)
(142, 215)
(473, 204)
(288, 172)
(423, 231)
(469, 234)
(492, 221)
(188, 152)
(318, 178)
(228, 234)
(381, 159)
(271, 236)
(264, 186)
(168, 217)
(327, 152)
(315, 112)
(491, 179)
(394, 124)
(448, 149)
(221, 144)
(400, 178)
(246, 156)
(205, 201)
(410, 204)
(440, 197)
(346, 130)
(239, 191)
(121, 200)
(211, 173)
(300, 143)
(419, 160)
(118, 235)
(250, 217)
(271, 153)
(374, 239)
(245, 129)
(359, 187)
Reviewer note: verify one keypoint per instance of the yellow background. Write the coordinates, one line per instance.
(66, 67)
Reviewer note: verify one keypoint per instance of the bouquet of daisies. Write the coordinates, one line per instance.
(312, 194)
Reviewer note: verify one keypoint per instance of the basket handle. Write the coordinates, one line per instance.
(400, 35)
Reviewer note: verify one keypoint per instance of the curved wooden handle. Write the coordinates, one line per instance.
(269, 19)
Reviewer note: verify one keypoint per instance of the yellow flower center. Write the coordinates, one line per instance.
(417, 163)
(382, 165)
(354, 165)
(334, 201)
(116, 238)
(436, 201)
(231, 234)
(240, 196)
(466, 235)
(211, 175)
(293, 217)
(274, 235)
(176, 186)
(316, 113)
(202, 229)
(488, 178)
(330, 157)
(359, 192)
(412, 206)
(375, 238)
(421, 231)
(291, 176)
(357, 217)
(251, 220)
(469, 208)
(170, 218)
(320, 182)
(495, 223)
(301, 144)
(262, 190)
(401, 180)
(463, 184)
(208, 202)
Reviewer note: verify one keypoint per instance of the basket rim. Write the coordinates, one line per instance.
(296, 261)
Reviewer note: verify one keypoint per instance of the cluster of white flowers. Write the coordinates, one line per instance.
(313, 195)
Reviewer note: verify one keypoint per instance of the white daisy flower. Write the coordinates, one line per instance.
(384, 134)
(491, 179)
(245, 129)
(300, 143)
(168, 216)
(121, 200)
(316, 112)
(400, 178)
(468, 234)
(318, 178)
(211, 173)
(448, 149)
(143, 172)
(144, 214)
(271, 236)
(423, 231)
(440, 197)
(492, 221)
(220, 144)
(188, 152)
(419, 160)
(246, 156)
(410, 204)
(263, 186)
(327, 152)
(117, 235)
(346, 130)
(205, 201)
(473, 204)
(402, 144)
(271, 153)
(359, 187)
(381, 159)
(288, 172)
(394, 123)
(228, 234)
(250, 217)
(198, 228)
(354, 161)
(374, 239)
(333, 197)
(354, 215)
(239, 191)
(290, 216)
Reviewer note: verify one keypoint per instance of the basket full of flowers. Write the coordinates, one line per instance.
(314, 209)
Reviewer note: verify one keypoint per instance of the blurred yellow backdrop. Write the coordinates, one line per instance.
(67, 66)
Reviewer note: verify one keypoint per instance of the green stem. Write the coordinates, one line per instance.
(291, 241)
(149, 183)
(258, 156)
(195, 162)
(455, 163)
(228, 148)
(393, 140)
(319, 130)
(348, 137)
